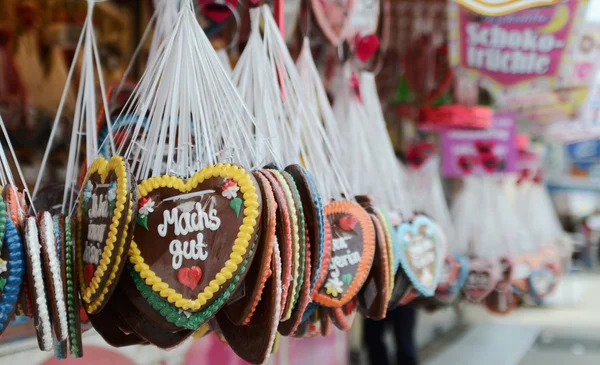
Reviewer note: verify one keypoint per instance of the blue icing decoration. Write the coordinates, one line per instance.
(320, 222)
(537, 298)
(463, 273)
(426, 289)
(16, 270)
(310, 309)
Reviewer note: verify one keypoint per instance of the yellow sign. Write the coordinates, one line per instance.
(502, 7)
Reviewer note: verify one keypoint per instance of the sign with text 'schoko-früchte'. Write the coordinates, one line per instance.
(517, 52)
(503, 7)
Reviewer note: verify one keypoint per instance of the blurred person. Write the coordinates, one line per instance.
(402, 322)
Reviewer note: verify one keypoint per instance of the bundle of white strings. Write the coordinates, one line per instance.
(186, 113)
(84, 129)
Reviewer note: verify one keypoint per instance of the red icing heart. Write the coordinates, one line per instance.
(348, 223)
(217, 12)
(88, 272)
(466, 163)
(484, 147)
(490, 162)
(189, 276)
(365, 47)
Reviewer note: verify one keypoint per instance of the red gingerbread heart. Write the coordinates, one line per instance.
(189, 277)
(466, 163)
(348, 223)
(365, 47)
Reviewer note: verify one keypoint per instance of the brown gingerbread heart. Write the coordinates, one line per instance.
(353, 247)
(207, 222)
(104, 216)
(240, 311)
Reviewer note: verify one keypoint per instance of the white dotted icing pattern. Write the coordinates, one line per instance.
(278, 309)
(33, 247)
(47, 226)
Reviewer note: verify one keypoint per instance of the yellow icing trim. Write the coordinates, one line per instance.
(92, 307)
(295, 283)
(240, 245)
(104, 168)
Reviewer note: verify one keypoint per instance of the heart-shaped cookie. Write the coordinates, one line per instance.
(209, 221)
(294, 208)
(501, 302)
(72, 285)
(373, 297)
(420, 254)
(103, 237)
(343, 317)
(283, 231)
(12, 271)
(482, 279)
(254, 340)
(450, 271)
(332, 17)
(541, 283)
(37, 288)
(240, 311)
(15, 205)
(463, 264)
(315, 221)
(352, 254)
(53, 275)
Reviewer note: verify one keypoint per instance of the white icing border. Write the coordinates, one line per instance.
(47, 226)
(33, 250)
(278, 289)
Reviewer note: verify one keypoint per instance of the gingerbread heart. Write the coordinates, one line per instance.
(501, 302)
(217, 11)
(541, 283)
(482, 279)
(352, 254)
(103, 237)
(241, 310)
(420, 253)
(332, 16)
(208, 221)
(450, 271)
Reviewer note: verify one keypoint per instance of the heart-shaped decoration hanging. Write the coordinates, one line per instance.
(450, 270)
(241, 310)
(541, 283)
(352, 251)
(482, 279)
(332, 17)
(420, 253)
(374, 296)
(315, 222)
(192, 237)
(217, 11)
(501, 302)
(365, 46)
(103, 235)
(463, 273)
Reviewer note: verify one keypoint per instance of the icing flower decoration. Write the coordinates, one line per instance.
(3, 266)
(229, 189)
(112, 192)
(334, 287)
(87, 192)
(145, 207)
